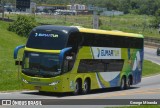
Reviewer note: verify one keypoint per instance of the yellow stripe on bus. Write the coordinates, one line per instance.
(117, 33)
(42, 50)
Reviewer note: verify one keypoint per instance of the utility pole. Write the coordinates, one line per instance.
(2, 10)
(95, 18)
(72, 5)
(2, 4)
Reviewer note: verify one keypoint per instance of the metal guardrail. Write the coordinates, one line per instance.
(152, 41)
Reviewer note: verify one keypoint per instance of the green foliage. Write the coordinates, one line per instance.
(156, 21)
(8, 71)
(23, 25)
(148, 7)
(148, 68)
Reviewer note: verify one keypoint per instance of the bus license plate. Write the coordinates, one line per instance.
(37, 87)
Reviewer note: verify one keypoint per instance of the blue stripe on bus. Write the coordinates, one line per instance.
(63, 51)
(115, 81)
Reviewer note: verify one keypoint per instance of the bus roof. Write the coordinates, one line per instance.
(65, 29)
(69, 29)
(115, 33)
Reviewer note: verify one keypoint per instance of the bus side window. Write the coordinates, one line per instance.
(68, 65)
(69, 61)
(65, 69)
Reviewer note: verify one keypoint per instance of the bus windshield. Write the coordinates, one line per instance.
(49, 40)
(41, 64)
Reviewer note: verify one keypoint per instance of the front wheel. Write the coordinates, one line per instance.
(78, 88)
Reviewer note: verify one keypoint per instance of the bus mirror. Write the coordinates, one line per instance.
(16, 50)
(62, 54)
(18, 62)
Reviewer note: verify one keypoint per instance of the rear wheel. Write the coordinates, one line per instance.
(86, 87)
(123, 85)
(129, 82)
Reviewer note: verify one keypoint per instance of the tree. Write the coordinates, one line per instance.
(156, 21)
(23, 25)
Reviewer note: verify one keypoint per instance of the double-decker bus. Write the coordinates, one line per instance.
(77, 59)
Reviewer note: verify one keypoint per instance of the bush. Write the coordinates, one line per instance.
(156, 21)
(23, 25)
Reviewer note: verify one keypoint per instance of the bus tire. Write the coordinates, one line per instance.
(86, 86)
(123, 85)
(129, 81)
(78, 87)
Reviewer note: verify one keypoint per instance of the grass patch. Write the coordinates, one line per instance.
(150, 68)
(127, 23)
(8, 71)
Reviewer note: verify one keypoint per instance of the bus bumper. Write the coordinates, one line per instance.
(42, 84)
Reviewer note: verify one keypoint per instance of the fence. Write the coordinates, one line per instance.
(126, 23)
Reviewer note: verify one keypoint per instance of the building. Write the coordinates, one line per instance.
(77, 7)
(52, 8)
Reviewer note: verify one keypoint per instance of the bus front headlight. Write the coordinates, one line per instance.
(54, 83)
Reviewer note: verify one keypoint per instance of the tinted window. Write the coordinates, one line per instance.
(100, 40)
(74, 40)
(51, 40)
(41, 64)
(100, 65)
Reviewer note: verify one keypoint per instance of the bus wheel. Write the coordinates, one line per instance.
(78, 87)
(123, 85)
(86, 87)
(128, 83)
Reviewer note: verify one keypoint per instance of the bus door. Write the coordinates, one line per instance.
(68, 64)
